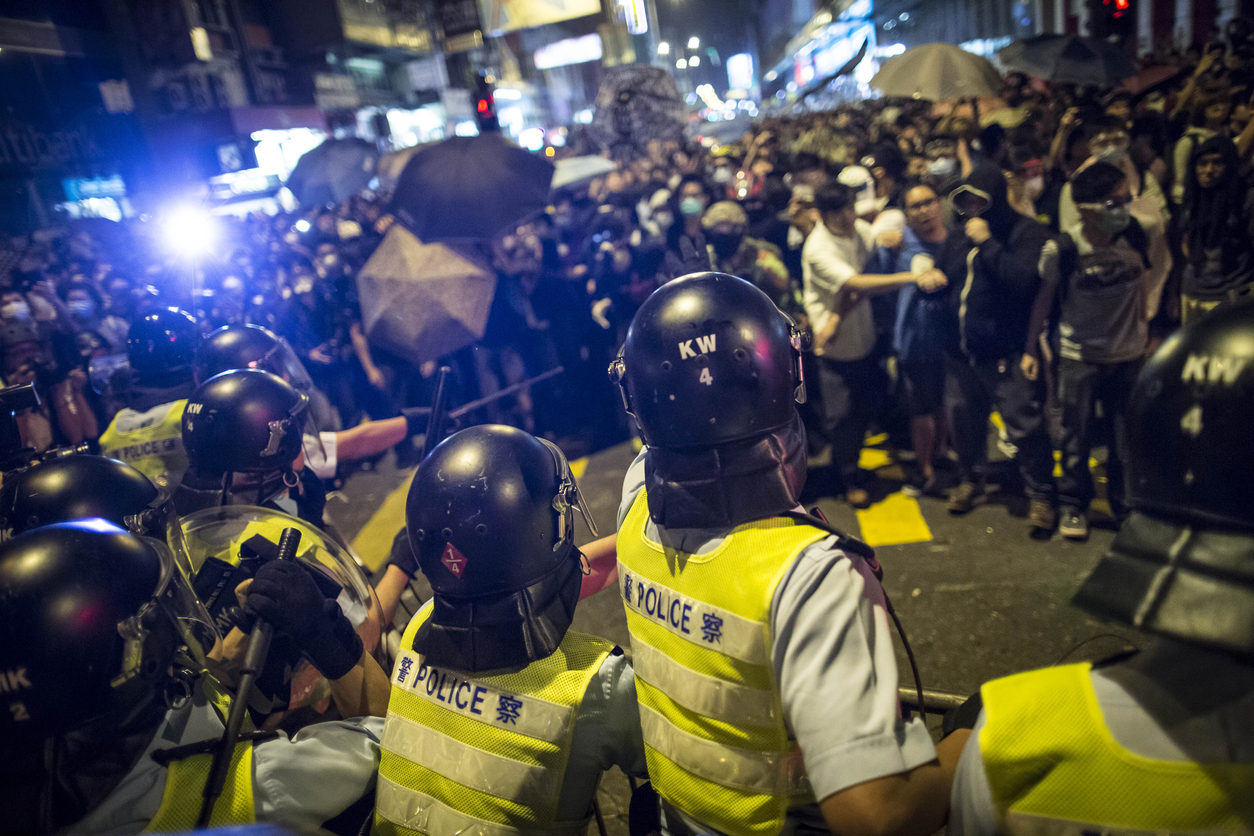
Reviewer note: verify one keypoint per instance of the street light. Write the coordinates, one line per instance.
(681, 64)
(694, 61)
(663, 48)
(694, 42)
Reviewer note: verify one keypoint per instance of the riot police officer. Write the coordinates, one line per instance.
(253, 347)
(501, 719)
(1161, 741)
(243, 432)
(759, 635)
(74, 488)
(109, 720)
(160, 349)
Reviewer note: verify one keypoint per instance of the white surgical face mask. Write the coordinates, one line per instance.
(1034, 186)
(16, 310)
(942, 166)
(722, 175)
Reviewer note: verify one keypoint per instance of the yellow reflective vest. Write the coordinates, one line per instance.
(1055, 768)
(481, 754)
(185, 783)
(713, 723)
(151, 442)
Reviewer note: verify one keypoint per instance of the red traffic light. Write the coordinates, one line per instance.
(484, 106)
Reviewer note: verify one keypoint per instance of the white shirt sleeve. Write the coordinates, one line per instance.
(824, 273)
(971, 808)
(320, 454)
(832, 648)
(316, 774)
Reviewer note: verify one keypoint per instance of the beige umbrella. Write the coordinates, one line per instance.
(423, 301)
(391, 165)
(937, 72)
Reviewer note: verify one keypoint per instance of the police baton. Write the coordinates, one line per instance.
(254, 662)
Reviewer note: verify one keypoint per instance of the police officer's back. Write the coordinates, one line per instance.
(501, 719)
(160, 349)
(761, 642)
(1162, 741)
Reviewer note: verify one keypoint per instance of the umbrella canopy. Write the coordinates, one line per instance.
(1149, 79)
(391, 165)
(470, 187)
(333, 172)
(574, 170)
(937, 72)
(1068, 59)
(635, 104)
(423, 301)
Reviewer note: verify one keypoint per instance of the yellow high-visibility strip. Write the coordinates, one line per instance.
(578, 466)
(894, 521)
(374, 542)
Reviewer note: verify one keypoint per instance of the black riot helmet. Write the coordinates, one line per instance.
(710, 360)
(94, 621)
(250, 347)
(161, 347)
(490, 517)
(242, 422)
(1183, 563)
(74, 488)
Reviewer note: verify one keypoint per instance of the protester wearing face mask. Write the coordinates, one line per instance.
(685, 242)
(751, 259)
(1104, 283)
(1109, 143)
(86, 309)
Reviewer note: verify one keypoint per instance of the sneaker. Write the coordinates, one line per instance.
(965, 497)
(858, 497)
(1073, 525)
(1041, 515)
(920, 485)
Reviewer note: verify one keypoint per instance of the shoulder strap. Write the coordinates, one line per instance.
(844, 541)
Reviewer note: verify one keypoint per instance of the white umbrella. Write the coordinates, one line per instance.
(391, 165)
(423, 301)
(937, 72)
(573, 170)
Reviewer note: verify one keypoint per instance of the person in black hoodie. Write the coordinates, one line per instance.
(990, 365)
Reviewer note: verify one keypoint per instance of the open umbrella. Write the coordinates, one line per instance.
(333, 172)
(637, 103)
(391, 165)
(937, 72)
(1068, 59)
(470, 187)
(423, 301)
(574, 170)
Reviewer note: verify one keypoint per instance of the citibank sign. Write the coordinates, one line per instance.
(27, 147)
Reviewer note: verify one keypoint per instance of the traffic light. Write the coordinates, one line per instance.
(1113, 18)
(485, 106)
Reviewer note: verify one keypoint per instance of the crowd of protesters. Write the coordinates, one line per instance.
(949, 260)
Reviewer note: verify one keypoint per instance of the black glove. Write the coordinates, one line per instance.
(286, 595)
(402, 555)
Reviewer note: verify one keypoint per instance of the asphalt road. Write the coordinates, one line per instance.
(979, 597)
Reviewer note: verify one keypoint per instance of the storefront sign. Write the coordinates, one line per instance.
(335, 92)
(428, 73)
(569, 51)
(459, 21)
(86, 188)
(507, 15)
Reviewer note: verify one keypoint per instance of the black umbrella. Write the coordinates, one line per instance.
(1068, 59)
(333, 172)
(470, 187)
(637, 103)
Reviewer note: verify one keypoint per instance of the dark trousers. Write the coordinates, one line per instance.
(972, 391)
(1080, 386)
(853, 394)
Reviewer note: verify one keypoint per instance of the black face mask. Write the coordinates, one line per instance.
(725, 244)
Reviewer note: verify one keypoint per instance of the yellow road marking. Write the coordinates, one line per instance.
(894, 521)
(373, 543)
(873, 458)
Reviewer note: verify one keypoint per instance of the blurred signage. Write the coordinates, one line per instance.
(117, 97)
(428, 73)
(457, 103)
(740, 71)
(569, 51)
(86, 188)
(459, 23)
(507, 15)
(335, 92)
(241, 184)
(635, 16)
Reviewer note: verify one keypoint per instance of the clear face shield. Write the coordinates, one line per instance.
(282, 360)
(110, 375)
(225, 546)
